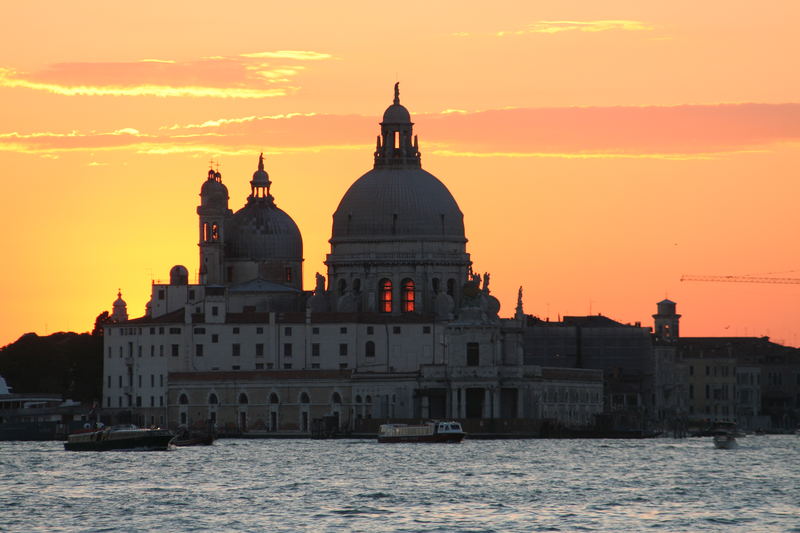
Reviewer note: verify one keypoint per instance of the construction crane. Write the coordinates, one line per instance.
(740, 279)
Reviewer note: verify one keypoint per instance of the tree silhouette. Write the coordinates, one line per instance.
(102, 319)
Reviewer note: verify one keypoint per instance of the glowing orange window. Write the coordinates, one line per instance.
(385, 296)
(408, 296)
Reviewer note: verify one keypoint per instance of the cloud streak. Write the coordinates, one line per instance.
(558, 26)
(551, 27)
(296, 55)
(247, 76)
(669, 133)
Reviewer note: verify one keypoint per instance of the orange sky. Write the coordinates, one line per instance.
(598, 150)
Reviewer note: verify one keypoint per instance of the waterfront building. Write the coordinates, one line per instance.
(622, 352)
(748, 398)
(400, 327)
(712, 378)
(762, 391)
(37, 416)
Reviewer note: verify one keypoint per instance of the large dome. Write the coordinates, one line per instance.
(390, 203)
(262, 231)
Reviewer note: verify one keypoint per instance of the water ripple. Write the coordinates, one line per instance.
(477, 486)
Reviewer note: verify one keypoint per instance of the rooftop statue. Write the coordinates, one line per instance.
(320, 287)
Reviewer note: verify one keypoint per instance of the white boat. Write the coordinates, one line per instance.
(127, 437)
(429, 432)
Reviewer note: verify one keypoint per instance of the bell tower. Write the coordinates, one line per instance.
(666, 322)
(212, 211)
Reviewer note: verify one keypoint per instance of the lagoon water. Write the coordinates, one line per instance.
(359, 485)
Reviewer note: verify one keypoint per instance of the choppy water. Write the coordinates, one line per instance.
(351, 485)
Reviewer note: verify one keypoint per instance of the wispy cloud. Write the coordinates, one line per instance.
(246, 76)
(559, 26)
(224, 121)
(669, 133)
(297, 55)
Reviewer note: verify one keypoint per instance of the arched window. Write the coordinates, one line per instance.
(435, 282)
(385, 296)
(369, 349)
(336, 398)
(214, 232)
(183, 400)
(358, 398)
(212, 399)
(368, 399)
(342, 286)
(408, 296)
(243, 398)
(273, 398)
(451, 286)
(304, 398)
(356, 285)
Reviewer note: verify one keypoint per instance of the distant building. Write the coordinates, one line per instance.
(749, 379)
(400, 328)
(37, 416)
(622, 352)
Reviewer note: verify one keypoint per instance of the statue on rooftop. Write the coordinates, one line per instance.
(320, 287)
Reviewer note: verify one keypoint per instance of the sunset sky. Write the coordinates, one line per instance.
(598, 150)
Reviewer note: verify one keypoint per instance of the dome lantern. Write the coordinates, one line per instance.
(397, 145)
(120, 312)
(260, 184)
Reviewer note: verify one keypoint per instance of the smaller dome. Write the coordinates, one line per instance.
(120, 312)
(119, 302)
(179, 275)
(213, 192)
(261, 231)
(396, 114)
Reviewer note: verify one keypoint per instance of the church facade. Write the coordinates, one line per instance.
(399, 328)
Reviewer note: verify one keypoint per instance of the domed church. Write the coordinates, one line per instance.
(398, 243)
(399, 329)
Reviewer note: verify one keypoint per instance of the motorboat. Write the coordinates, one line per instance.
(125, 437)
(428, 432)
